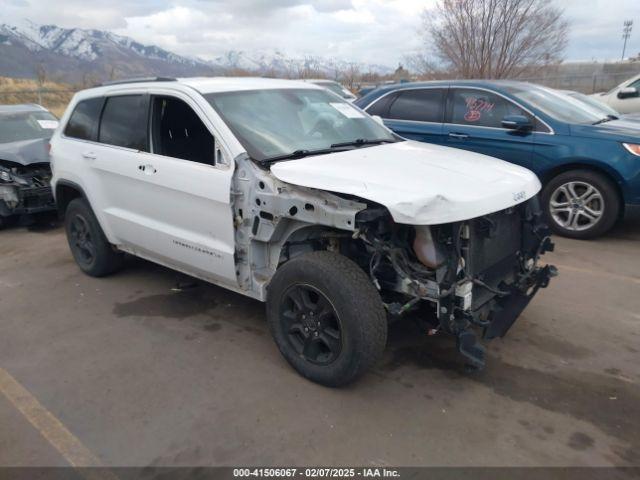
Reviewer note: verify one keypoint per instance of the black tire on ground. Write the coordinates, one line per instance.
(89, 246)
(608, 203)
(351, 331)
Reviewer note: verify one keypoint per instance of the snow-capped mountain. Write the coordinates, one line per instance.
(72, 54)
(88, 46)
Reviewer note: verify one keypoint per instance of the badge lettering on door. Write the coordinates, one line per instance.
(519, 196)
(195, 248)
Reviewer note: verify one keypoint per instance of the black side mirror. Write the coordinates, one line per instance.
(519, 123)
(629, 92)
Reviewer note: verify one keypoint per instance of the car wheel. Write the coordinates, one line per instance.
(581, 204)
(326, 317)
(89, 246)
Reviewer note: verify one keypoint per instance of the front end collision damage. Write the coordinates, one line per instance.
(25, 189)
(471, 279)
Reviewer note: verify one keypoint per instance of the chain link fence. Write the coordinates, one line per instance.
(585, 83)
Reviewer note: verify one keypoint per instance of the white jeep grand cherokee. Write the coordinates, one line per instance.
(286, 193)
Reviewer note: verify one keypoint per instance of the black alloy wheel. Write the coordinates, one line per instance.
(312, 324)
(81, 241)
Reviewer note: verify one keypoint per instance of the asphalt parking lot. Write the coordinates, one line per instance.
(141, 373)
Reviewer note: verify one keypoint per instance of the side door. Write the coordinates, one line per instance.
(474, 122)
(415, 114)
(168, 184)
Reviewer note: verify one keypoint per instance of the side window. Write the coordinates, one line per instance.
(481, 108)
(124, 122)
(424, 105)
(83, 122)
(178, 132)
(381, 106)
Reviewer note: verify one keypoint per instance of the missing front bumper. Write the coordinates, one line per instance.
(503, 315)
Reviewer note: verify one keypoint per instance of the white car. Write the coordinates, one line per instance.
(334, 87)
(286, 193)
(625, 98)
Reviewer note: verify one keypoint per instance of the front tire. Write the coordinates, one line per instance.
(326, 318)
(89, 246)
(581, 204)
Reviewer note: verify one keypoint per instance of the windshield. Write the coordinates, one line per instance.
(270, 123)
(593, 103)
(18, 126)
(557, 105)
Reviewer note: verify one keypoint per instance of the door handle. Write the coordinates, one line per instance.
(147, 169)
(460, 136)
(89, 155)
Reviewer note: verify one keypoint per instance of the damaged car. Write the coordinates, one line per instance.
(25, 173)
(286, 193)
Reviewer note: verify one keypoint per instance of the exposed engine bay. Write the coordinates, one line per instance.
(25, 189)
(478, 274)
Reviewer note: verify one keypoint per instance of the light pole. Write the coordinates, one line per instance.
(626, 33)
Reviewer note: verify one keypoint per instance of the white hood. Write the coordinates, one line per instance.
(420, 184)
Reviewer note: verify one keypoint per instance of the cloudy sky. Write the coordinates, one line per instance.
(370, 31)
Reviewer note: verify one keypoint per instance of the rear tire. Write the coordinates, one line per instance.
(581, 204)
(326, 318)
(89, 246)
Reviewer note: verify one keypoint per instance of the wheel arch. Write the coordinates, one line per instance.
(306, 234)
(66, 191)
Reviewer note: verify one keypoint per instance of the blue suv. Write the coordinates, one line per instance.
(588, 162)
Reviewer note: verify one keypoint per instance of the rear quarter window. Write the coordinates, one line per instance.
(83, 123)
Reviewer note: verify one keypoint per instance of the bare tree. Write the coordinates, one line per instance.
(495, 38)
(351, 76)
(423, 65)
(41, 74)
(334, 67)
(112, 72)
(41, 77)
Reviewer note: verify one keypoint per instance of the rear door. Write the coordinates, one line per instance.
(473, 122)
(416, 114)
(121, 134)
(167, 198)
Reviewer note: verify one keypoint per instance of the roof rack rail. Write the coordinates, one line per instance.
(139, 80)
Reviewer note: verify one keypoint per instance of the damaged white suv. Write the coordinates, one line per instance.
(286, 193)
